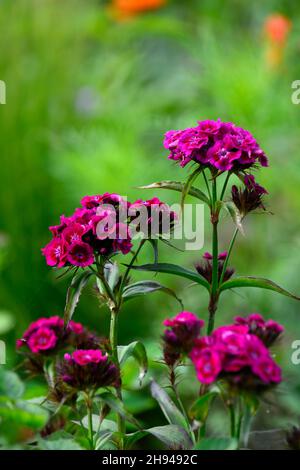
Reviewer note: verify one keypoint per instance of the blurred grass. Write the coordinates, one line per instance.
(88, 100)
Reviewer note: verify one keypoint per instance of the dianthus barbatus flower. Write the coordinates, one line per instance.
(157, 217)
(45, 337)
(205, 267)
(250, 197)
(86, 370)
(178, 338)
(220, 146)
(267, 330)
(101, 227)
(77, 240)
(237, 355)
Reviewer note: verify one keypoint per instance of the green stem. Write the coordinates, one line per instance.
(113, 336)
(225, 185)
(126, 274)
(215, 268)
(247, 420)
(90, 421)
(183, 412)
(207, 185)
(232, 419)
(228, 255)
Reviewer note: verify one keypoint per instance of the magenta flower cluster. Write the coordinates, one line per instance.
(237, 354)
(217, 145)
(87, 369)
(46, 335)
(76, 240)
(179, 337)
(205, 267)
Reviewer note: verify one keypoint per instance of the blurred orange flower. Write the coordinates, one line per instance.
(276, 28)
(125, 8)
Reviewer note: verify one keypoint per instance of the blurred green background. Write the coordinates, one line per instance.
(89, 97)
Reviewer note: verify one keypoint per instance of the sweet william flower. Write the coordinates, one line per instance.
(80, 254)
(249, 198)
(219, 146)
(268, 331)
(42, 339)
(235, 354)
(208, 365)
(179, 337)
(47, 336)
(75, 240)
(205, 267)
(86, 356)
(86, 370)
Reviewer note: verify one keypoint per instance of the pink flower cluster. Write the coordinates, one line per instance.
(99, 227)
(179, 336)
(218, 145)
(160, 218)
(250, 197)
(205, 267)
(48, 335)
(86, 369)
(236, 354)
(268, 331)
(75, 241)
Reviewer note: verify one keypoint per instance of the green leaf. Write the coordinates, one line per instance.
(168, 268)
(138, 352)
(200, 408)
(173, 436)
(24, 413)
(154, 244)
(7, 322)
(188, 184)
(147, 287)
(112, 274)
(220, 443)
(59, 444)
(168, 407)
(78, 283)
(102, 439)
(235, 215)
(10, 384)
(179, 187)
(116, 405)
(259, 282)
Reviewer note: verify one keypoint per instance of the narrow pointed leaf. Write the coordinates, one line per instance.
(168, 268)
(173, 436)
(178, 186)
(200, 408)
(116, 405)
(188, 184)
(147, 287)
(138, 352)
(168, 407)
(154, 244)
(235, 215)
(259, 282)
(112, 274)
(73, 294)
